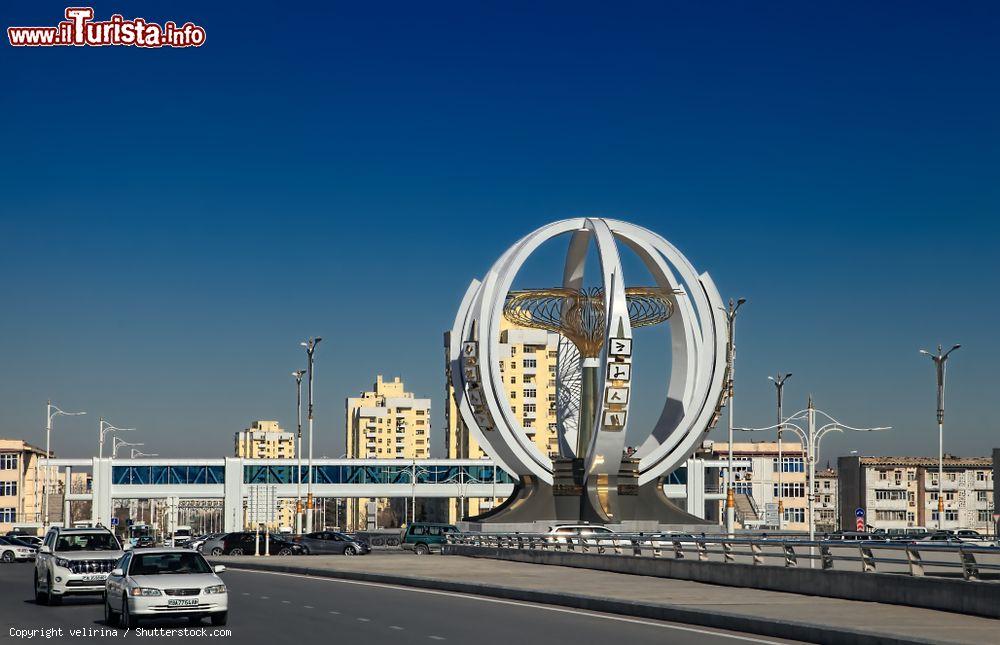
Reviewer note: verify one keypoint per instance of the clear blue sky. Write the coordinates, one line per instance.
(175, 221)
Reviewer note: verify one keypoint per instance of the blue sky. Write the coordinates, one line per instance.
(175, 221)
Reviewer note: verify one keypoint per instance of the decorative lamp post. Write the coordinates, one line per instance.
(940, 366)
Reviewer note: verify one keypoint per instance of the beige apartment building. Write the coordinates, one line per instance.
(385, 423)
(902, 492)
(20, 492)
(266, 440)
(528, 363)
(826, 509)
(756, 485)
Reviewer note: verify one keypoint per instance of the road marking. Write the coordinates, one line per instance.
(335, 612)
(365, 620)
(563, 610)
(286, 602)
(396, 627)
(436, 638)
(246, 593)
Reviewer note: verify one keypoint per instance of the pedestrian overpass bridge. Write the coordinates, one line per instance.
(231, 479)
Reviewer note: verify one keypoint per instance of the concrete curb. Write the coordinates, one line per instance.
(792, 630)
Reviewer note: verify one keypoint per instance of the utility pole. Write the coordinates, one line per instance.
(106, 428)
(310, 346)
(731, 363)
(779, 384)
(298, 374)
(940, 367)
(50, 412)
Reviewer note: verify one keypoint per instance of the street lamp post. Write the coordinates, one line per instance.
(51, 411)
(811, 437)
(298, 374)
(310, 346)
(734, 307)
(117, 443)
(779, 385)
(138, 453)
(106, 428)
(940, 366)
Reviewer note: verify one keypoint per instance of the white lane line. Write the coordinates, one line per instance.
(246, 593)
(396, 627)
(310, 607)
(264, 597)
(286, 602)
(436, 638)
(563, 610)
(336, 613)
(364, 620)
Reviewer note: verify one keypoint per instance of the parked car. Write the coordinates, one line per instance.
(29, 540)
(213, 544)
(424, 537)
(244, 543)
(331, 542)
(164, 582)
(561, 533)
(197, 542)
(74, 561)
(12, 550)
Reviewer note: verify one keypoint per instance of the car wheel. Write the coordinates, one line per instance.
(39, 596)
(127, 619)
(421, 549)
(220, 618)
(216, 551)
(236, 551)
(8, 556)
(351, 550)
(110, 619)
(285, 551)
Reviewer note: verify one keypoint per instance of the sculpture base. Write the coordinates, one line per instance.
(535, 503)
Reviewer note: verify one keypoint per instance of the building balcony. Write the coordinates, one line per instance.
(529, 415)
(890, 505)
(982, 485)
(890, 484)
(371, 434)
(948, 486)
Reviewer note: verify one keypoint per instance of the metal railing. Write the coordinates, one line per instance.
(971, 562)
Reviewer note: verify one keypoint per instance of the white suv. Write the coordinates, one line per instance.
(74, 561)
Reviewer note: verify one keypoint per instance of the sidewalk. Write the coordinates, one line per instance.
(796, 617)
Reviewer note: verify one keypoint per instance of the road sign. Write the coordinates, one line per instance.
(996, 517)
(114, 521)
(859, 512)
(860, 525)
(771, 514)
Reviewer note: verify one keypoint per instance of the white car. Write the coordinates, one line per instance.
(12, 550)
(74, 561)
(164, 582)
(593, 533)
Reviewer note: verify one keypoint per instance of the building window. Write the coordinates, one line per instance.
(789, 465)
(795, 515)
(949, 497)
(883, 475)
(513, 380)
(513, 394)
(8, 515)
(529, 407)
(950, 516)
(553, 354)
(893, 495)
(8, 488)
(513, 350)
(793, 489)
(980, 475)
(530, 394)
(980, 496)
(890, 516)
(8, 461)
(984, 516)
(530, 362)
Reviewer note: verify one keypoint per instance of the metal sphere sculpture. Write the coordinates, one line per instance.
(598, 322)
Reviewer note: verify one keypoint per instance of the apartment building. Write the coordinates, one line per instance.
(20, 492)
(528, 363)
(826, 517)
(755, 484)
(266, 440)
(903, 492)
(386, 422)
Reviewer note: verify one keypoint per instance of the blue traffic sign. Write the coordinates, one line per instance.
(859, 512)
(114, 521)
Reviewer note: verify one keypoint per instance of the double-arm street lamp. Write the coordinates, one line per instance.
(298, 374)
(811, 438)
(310, 346)
(779, 385)
(106, 428)
(139, 453)
(734, 307)
(51, 411)
(117, 443)
(940, 366)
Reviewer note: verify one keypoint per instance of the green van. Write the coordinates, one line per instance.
(424, 537)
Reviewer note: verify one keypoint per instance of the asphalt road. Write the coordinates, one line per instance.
(278, 608)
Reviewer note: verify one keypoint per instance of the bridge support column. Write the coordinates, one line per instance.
(696, 487)
(101, 492)
(232, 508)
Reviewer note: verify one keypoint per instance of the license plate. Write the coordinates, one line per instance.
(182, 602)
(95, 577)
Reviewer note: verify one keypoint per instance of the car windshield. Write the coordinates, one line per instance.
(87, 542)
(151, 564)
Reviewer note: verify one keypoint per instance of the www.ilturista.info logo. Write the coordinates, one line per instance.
(80, 29)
